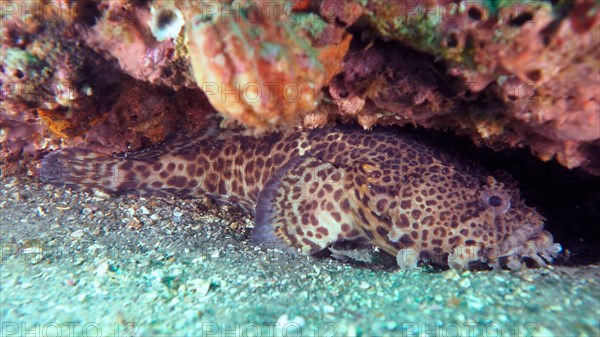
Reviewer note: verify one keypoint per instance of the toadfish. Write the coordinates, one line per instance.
(311, 189)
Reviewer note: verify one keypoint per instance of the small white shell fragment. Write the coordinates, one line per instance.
(166, 23)
(144, 210)
(199, 286)
(407, 258)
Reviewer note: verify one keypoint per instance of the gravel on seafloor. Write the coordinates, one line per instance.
(77, 264)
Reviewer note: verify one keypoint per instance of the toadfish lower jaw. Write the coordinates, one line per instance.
(540, 248)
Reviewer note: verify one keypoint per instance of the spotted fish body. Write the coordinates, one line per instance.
(309, 190)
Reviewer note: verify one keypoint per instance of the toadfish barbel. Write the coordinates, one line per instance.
(311, 189)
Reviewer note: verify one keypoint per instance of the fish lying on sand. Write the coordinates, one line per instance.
(311, 189)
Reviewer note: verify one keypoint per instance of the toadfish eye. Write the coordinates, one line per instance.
(495, 201)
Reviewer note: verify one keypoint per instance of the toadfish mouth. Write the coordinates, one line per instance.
(539, 247)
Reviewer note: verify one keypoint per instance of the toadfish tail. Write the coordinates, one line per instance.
(81, 169)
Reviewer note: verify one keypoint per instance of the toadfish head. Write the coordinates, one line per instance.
(447, 213)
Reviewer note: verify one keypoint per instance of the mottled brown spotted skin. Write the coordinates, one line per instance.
(312, 189)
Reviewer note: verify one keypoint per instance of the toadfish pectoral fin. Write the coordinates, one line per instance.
(304, 206)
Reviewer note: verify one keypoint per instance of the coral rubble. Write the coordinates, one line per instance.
(121, 75)
(528, 72)
(259, 70)
(93, 76)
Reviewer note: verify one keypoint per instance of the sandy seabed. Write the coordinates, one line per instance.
(75, 264)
